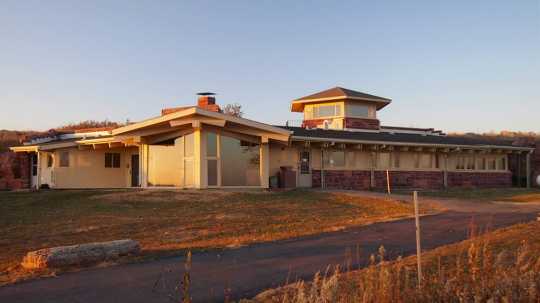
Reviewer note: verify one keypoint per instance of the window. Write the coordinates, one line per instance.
(322, 111)
(470, 163)
(396, 159)
(502, 163)
(481, 163)
(492, 164)
(335, 158)
(304, 162)
(64, 159)
(460, 163)
(358, 110)
(212, 172)
(112, 160)
(211, 145)
(49, 161)
(383, 160)
(424, 161)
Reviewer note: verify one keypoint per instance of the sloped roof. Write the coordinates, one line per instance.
(402, 138)
(338, 93)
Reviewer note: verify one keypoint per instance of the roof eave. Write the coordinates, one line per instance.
(298, 104)
(397, 143)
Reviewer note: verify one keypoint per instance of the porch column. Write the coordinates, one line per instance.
(38, 172)
(264, 165)
(528, 169)
(445, 171)
(143, 165)
(372, 170)
(199, 159)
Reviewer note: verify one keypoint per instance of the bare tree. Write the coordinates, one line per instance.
(233, 109)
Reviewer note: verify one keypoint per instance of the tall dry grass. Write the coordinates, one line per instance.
(475, 275)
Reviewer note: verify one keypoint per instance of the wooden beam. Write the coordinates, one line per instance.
(257, 133)
(146, 132)
(85, 147)
(167, 136)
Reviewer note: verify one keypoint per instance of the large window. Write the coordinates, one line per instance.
(212, 160)
(166, 163)
(240, 162)
(112, 160)
(323, 111)
(358, 110)
(334, 158)
(384, 161)
(64, 159)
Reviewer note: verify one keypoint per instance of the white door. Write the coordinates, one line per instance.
(304, 169)
(34, 170)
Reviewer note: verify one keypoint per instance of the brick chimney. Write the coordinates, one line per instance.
(207, 101)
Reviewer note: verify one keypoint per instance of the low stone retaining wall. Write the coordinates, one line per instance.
(84, 254)
(361, 179)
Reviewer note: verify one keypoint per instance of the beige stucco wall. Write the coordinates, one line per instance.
(87, 169)
(281, 155)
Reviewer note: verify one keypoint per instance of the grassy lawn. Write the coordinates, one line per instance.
(168, 221)
(519, 195)
(501, 266)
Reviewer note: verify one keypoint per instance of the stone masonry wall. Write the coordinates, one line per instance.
(410, 179)
(360, 179)
(360, 123)
(14, 171)
(483, 179)
(342, 179)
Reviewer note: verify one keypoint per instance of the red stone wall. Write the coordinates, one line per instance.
(312, 123)
(410, 179)
(342, 179)
(484, 179)
(360, 123)
(14, 170)
(360, 179)
(356, 123)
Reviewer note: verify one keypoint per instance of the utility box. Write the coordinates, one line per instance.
(287, 177)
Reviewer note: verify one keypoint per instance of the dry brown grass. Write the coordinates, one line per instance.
(166, 222)
(502, 266)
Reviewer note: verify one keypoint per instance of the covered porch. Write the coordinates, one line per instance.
(196, 148)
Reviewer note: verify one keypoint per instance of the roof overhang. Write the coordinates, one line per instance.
(195, 117)
(24, 148)
(298, 105)
(395, 143)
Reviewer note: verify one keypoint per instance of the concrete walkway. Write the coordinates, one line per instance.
(246, 271)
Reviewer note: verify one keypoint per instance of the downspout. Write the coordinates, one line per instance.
(445, 171)
(322, 167)
(528, 169)
(38, 172)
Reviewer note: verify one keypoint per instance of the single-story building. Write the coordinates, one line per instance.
(340, 143)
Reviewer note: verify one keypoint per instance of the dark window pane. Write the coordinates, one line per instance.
(108, 160)
(211, 145)
(116, 160)
(64, 159)
(212, 172)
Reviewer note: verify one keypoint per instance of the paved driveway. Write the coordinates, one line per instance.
(245, 271)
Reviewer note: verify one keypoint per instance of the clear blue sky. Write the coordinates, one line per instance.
(454, 65)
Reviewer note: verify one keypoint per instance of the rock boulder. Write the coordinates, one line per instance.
(80, 255)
